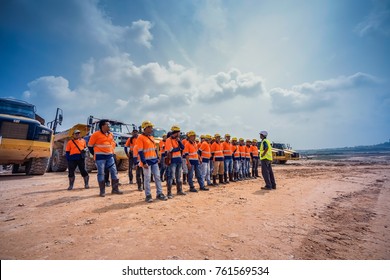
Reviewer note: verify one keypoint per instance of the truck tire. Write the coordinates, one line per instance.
(89, 163)
(123, 165)
(58, 161)
(37, 166)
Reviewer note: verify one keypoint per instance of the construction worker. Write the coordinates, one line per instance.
(217, 156)
(139, 172)
(75, 154)
(241, 148)
(163, 155)
(101, 146)
(129, 146)
(193, 161)
(248, 158)
(184, 140)
(174, 148)
(236, 159)
(228, 159)
(149, 161)
(255, 159)
(266, 162)
(205, 153)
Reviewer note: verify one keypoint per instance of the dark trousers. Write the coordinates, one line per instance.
(73, 164)
(268, 174)
(131, 161)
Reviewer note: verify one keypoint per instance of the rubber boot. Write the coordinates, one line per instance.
(225, 178)
(231, 179)
(86, 182)
(215, 181)
(115, 187)
(184, 179)
(139, 183)
(221, 179)
(169, 191)
(102, 187)
(71, 183)
(179, 188)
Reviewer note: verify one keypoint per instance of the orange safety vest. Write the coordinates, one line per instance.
(227, 149)
(242, 151)
(192, 151)
(102, 144)
(247, 152)
(71, 147)
(236, 152)
(216, 149)
(171, 144)
(130, 143)
(148, 147)
(206, 151)
(254, 151)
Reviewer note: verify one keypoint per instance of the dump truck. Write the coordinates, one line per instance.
(120, 130)
(24, 140)
(281, 153)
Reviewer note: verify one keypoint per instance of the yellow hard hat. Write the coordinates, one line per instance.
(254, 140)
(202, 136)
(146, 124)
(234, 139)
(217, 135)
(208, 136)
(241, 139)
(248, 140)
(191, 133)
(175, 128)
(227, 135)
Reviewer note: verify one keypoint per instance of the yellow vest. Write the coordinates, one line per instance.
(268, 155)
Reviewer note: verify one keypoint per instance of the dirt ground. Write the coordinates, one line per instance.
(320, 210)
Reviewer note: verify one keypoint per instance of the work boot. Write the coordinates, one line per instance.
(221, 179)
(71, 183)
(184, 179)
(102, 187)
(192, 189)
(204, 189)
(169, 191)
(215, 181)
(231, 179)
(225, 178)
(179, 189)
(115, 187)
(139, 184)
(149, 198)
(86, 181)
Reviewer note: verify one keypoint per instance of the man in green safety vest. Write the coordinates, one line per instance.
(266, 162)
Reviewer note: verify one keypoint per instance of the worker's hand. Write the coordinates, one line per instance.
(146, 166)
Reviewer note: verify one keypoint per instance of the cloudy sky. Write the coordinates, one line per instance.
(315, 74)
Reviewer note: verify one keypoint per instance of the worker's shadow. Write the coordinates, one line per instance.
(261, 192)
(118, 206)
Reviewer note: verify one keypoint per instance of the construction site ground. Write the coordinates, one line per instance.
(320, 210)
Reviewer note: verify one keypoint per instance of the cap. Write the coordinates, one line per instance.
(76, 131)
(263, 132)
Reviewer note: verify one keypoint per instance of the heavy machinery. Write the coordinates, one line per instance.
(281, 153)
(24, 140)
(119, 129)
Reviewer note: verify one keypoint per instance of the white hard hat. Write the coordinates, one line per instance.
(265, 133)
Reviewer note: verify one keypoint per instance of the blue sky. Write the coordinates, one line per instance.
(315, 74)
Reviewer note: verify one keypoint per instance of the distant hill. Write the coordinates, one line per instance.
(372, 149)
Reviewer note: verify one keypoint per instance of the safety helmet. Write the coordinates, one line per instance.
(197, 140)
(191, 133)
(254, 140)
(227, 135)
(234, 139)
(216, 135)
(263, 132)
(202, 136)
(175, 128)
(164, 135)
(248, 140)
(146, 124)
(241, 139)
(208, 136)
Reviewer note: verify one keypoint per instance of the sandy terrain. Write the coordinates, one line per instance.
(320, 210)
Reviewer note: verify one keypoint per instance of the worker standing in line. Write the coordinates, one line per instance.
(236, 159)
(255, 159)
(174, 148)
(129, 147)
(75, 154)
(217, 155)
(101, 146)
(193, 161)
(183, 160)
(139, 172)
(228, 159)
(205, 153)
(266, 162)
(241, 147)
(248, 158)
(149, 161)
(162, 158)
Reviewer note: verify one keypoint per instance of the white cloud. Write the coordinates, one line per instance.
(142, 32)
(50, 87)
(319, 94)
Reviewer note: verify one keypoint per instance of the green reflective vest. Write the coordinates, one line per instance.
(268, 155)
